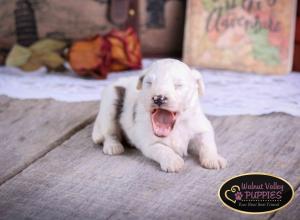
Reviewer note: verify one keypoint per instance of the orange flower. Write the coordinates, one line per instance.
(90, 57)
(125, 50)
(118, 50)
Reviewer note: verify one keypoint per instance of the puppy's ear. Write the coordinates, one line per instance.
(139, 85)
(199, 80)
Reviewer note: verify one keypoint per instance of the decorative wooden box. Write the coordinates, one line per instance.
(244, 35)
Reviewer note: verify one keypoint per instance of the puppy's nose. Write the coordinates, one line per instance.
(159, 100)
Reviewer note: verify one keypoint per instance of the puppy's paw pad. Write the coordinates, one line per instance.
(172, 163)
(113, 148)
(215, 162)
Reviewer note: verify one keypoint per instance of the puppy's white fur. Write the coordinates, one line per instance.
(125, 110)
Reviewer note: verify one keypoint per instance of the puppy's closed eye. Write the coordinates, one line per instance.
(148, 83)
(178, 85)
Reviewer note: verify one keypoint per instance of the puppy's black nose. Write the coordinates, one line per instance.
(159, 100)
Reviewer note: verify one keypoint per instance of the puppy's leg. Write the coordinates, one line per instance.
(106, 128)
(169, 161)
(204, 144)
(112, 145)
(97, 134)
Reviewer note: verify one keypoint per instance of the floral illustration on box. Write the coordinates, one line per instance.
(252, 30)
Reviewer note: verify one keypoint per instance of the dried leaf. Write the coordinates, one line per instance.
(52, 60)
(48, 45)
(31, 65)
(18, 56)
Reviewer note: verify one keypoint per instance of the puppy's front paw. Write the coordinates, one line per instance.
(112, 148)
(172, 163)
(213, 162)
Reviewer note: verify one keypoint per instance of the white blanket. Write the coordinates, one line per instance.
(227, 92)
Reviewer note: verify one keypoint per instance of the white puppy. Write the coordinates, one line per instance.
(160, 114)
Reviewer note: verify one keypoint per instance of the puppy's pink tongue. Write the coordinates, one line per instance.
(162, 122)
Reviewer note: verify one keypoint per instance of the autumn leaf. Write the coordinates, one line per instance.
(18, 56)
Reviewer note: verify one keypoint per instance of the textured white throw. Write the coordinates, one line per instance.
(227, 92)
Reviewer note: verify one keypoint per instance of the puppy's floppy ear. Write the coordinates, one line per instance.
(139, 85)
(199, 80)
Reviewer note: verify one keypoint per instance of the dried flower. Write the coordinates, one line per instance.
(125, 50)
(90, 57)
(118, 50)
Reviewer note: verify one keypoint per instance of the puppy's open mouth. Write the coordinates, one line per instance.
(162, 122)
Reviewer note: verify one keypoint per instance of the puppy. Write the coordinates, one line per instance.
(160, 114)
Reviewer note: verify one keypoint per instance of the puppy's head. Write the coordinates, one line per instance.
(167, 89)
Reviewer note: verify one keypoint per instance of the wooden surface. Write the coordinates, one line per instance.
(292, 212)
(29, 129)
(75, 180)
